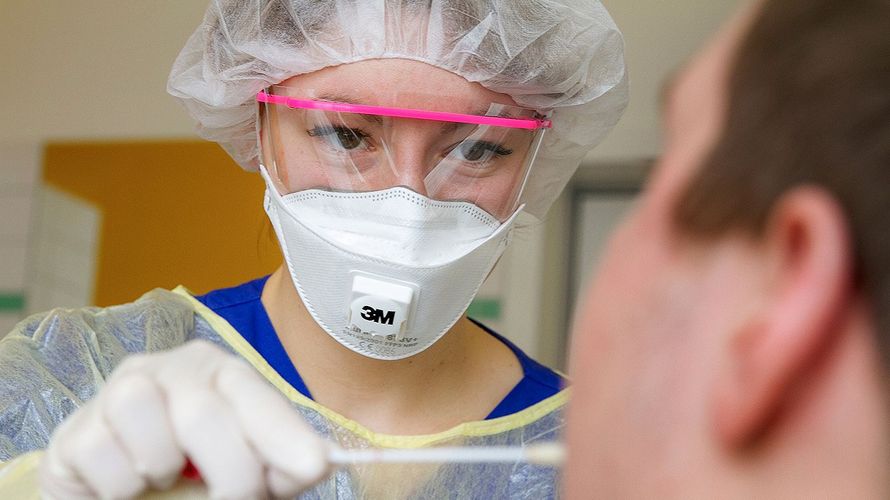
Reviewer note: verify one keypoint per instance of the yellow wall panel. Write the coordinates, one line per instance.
(172, 213)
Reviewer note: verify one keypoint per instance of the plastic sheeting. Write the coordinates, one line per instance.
(54, 362)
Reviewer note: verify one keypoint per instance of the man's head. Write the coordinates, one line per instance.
(736, 338)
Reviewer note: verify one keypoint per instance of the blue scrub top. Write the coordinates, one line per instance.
(242, 308)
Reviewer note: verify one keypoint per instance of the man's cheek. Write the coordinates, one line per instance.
(592, 341)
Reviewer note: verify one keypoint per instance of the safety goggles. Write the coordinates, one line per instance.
(439, 146)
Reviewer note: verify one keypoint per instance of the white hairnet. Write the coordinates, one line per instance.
(560, 55)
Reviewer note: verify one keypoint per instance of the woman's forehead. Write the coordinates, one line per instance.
(398, 83)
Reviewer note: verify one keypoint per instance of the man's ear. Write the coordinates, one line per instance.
(807, 257)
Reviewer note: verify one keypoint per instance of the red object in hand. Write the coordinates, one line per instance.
(190, 471)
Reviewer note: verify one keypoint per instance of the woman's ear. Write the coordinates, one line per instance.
(809, 265)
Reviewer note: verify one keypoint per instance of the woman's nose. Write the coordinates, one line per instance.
(409, 166)
(413, 179)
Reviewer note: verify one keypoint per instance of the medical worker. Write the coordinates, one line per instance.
(401, 144)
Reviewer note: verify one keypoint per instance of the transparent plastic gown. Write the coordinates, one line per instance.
(54, 362)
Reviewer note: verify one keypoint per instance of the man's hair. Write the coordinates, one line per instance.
(809, 104)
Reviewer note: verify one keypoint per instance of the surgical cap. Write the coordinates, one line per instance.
(562, 56)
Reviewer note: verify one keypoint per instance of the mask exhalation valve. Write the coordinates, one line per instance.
(379, 307)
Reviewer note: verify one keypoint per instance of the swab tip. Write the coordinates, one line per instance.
(553, 454)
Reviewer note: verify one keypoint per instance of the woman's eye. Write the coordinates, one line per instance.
(342, 137)
(348, 138)
(477, 151)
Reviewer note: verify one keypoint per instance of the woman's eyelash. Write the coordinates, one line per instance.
(322, 130)
(326, 130)
(497, 149)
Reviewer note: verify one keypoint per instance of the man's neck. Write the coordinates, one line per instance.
(415, 395)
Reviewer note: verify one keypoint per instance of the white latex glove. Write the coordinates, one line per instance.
(195, 401)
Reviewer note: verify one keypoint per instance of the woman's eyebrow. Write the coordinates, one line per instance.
(377, 120)
(446, 127)
(451, 127)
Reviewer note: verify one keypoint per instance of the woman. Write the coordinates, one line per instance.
(401, 143)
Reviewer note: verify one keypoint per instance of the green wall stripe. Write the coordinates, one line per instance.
(12, 302)
(485, 309)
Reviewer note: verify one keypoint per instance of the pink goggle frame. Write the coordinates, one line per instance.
(416, 114)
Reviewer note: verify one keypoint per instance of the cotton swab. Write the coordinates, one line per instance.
(547, 454)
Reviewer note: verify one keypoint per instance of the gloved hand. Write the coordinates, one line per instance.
(195, 401)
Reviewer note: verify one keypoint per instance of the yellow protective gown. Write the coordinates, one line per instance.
(54, 362)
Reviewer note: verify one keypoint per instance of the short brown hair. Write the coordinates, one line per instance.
(809, 104)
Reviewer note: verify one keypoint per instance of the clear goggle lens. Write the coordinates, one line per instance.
(442, 148)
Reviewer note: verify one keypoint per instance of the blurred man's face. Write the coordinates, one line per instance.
(649, 331)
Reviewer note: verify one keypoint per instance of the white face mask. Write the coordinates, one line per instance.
(385, 273)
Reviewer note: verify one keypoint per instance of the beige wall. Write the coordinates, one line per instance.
(92, 68)
(659, 36)
(98, 68)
